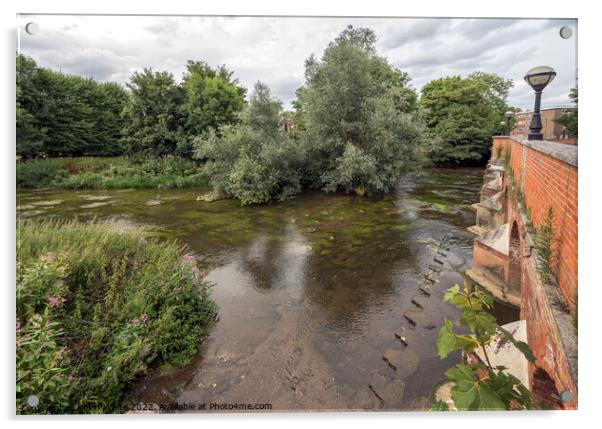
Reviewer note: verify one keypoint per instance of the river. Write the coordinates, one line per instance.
(311, 292)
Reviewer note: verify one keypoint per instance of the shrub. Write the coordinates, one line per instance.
(253, 161)
(97, 307)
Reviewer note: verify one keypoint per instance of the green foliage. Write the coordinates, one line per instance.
(479, 386)
(212, 98)
(253, 161)
(152, 117)
(110, 173)
(545, 240)
(570, 118)
(464, 114)
(359, 132)
(97, 307)
(62, 115)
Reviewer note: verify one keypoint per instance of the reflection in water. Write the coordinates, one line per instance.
(311, 291)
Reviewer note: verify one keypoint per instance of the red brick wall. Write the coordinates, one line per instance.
(548, 182)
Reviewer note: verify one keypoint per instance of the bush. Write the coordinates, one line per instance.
(253, 161)
(97, 307)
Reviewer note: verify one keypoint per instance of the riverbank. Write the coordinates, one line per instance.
(109, 173)
(98, 304)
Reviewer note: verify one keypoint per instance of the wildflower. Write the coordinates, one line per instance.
(56, 301)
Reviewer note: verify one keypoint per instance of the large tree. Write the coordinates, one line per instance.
(153, 117)
(211, 98)
(463, 115)
(63, 115)
(360, 134)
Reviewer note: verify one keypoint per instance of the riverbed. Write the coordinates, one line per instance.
(311, 292)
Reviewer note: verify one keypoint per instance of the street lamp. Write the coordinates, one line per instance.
(509, 115)
(538, 78)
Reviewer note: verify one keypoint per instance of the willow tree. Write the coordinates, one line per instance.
(361, 133)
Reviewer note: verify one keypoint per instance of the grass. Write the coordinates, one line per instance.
(98, 306)
(109, 173)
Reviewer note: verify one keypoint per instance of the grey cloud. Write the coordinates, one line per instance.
(273, 49)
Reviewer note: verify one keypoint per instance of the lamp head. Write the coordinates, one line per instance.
(539, 77)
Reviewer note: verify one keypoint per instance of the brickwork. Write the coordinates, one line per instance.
(547, 178)
(549, 182)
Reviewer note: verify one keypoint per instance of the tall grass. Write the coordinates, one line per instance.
(109, 173)
(96, 307)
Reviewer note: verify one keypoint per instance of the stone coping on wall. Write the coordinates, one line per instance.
(563, 152)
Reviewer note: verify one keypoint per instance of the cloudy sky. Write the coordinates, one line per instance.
(273, 49)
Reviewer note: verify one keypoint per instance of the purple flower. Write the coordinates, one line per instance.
(56, 301)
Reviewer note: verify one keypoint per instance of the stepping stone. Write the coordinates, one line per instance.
(404, 362)
(401, 338)
(429, 277)
(435, 269)
(388, 390)
(424, 289)
(439, 261)
(419, 301)
(422, 318)
(410, 317)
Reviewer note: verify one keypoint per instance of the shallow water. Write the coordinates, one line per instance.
(311, 292)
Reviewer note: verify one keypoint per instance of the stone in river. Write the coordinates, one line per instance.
(404, 362)
(387, 389)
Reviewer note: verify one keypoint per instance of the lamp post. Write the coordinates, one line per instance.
(538, 78)
(509, 115)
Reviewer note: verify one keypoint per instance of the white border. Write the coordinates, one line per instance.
(589, 205)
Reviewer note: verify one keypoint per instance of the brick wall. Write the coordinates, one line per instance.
(549, 182)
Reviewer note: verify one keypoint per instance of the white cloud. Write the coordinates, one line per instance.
(273, 49)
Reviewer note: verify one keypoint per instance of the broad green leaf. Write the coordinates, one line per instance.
(447, 340)
(521, 345)
(470, 393)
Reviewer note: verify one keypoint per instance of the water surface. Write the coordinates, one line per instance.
(311, 292)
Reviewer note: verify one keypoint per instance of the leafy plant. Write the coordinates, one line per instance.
(498, 151)
(97, 307)
(479, 385)
(545, 239)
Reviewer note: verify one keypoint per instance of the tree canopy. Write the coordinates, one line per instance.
(463, 114)
(63, 115)
(253, 160)
(360, 134)
(569, 119)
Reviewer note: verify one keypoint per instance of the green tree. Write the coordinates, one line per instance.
(360, 134)
(152, 116)
(63, 115)
(212, 98)
(569, 119)
(30, 135)
(463, 114)
(253, 161)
